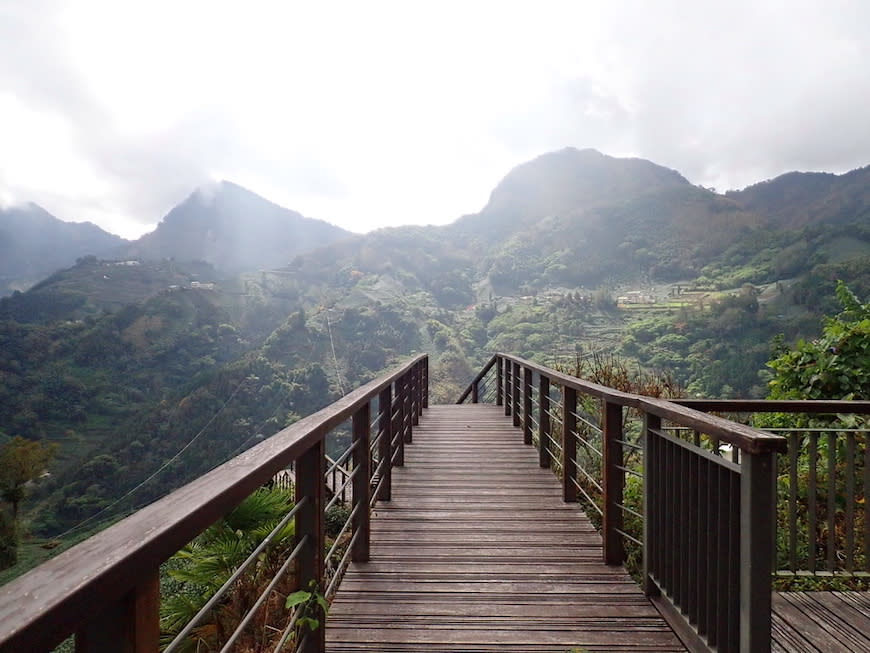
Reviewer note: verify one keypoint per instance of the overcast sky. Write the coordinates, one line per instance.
(370, 114)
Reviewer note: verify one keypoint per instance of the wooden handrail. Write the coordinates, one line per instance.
(672, 535)
(483, 372)
(815, 406)
(41, 608)
(739, 435)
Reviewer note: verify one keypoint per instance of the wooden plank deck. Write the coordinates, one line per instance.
(821, 621)
(478, 553)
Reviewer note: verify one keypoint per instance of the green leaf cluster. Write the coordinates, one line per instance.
(833, 366)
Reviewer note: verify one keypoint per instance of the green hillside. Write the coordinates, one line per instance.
(149, 374)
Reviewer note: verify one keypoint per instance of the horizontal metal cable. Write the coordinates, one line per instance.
(341, 459)
(554, 417)
(589, 499)
(554, 443)
(373, 497)
(337, 492)
(344, 528)
(250, 614)
(339, 568)
(589, 478)
(630, 445)
(629, 510)
(176, 642)
(582, 418)
(587, 444)
(628, 537)
(628, 470)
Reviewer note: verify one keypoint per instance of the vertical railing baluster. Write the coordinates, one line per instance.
(408, 409)
(415, 395)
(832, 499)
(310, 470)
(850, 502)
(361, 434)
(385, 445)
(613, 482)
(652, 496)
(499, 382)
(544, 424)
(527, 406)
(508, 392)
(515, 393)
(425, 389)
(569, 444)
(732, 509)
(695, 536)
(793, 452)
(757, 508)
(866, 500)
(399, 423)
(811, 501)
(704, 554)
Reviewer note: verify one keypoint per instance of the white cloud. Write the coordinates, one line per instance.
(384, 113)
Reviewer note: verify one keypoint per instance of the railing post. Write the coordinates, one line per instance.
(385, 448)
(527, 406)
(613, 484)
(361, 482)
(408, 408)
(310, 470)
(569, 444)
(415, 395)
(398, 430)
(515, 393)
(651, 507)
(499, 382)
(544, 424)
(420, 389)
(426, 382)
(757, 520)
(508, 393)
(131, 625)
(475, 393)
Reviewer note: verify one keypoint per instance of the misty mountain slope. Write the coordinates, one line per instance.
(564, 183)
(34, 243)
(235, 230)
(797, 199)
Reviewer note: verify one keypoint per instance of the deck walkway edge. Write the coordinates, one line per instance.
(477, 553)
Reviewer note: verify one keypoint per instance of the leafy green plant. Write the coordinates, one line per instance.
(311, 605)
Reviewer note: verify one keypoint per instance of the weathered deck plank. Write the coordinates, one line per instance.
(478, 553)
(832, 622)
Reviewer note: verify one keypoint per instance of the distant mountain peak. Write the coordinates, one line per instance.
(234, 229)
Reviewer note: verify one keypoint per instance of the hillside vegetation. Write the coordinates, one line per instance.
(150, 368)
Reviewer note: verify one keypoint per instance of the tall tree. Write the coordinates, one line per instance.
(21, 461)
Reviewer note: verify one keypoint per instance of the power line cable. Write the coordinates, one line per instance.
(160, 469)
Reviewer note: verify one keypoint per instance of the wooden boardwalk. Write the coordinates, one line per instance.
(478, 553)
(821, 621)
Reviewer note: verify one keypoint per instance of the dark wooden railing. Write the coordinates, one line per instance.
(823, 486)
(105, 591)
(701, 524)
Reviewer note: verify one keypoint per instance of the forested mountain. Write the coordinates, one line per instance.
(797, 199)
(170, 367)
(34, 243)
(233, 229)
